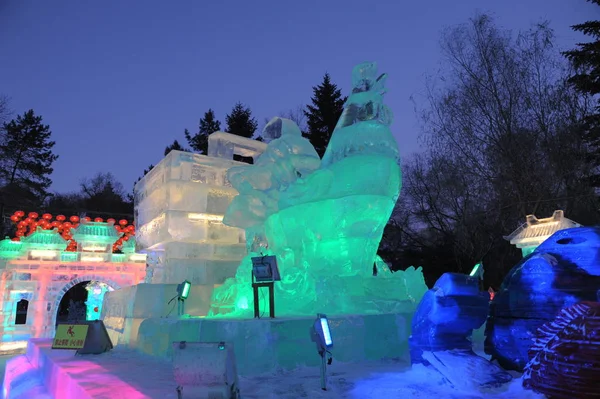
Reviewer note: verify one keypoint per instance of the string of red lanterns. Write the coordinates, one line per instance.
(28, 225)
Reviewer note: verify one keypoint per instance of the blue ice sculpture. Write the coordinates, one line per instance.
(442, 328)
(447, 316)
(562, 271)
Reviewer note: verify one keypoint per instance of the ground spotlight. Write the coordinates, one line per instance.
(183, 291)
(321, 335)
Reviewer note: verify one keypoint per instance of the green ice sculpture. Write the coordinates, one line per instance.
(323, 219)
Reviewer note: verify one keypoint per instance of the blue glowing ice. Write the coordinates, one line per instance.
(561, 272)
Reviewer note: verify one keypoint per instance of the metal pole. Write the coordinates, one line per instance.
(323, 371)
(180, 307)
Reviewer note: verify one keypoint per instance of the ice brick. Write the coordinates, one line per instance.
(226, 145)
(267, 345)
(124, 310)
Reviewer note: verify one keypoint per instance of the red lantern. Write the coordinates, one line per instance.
(61, 218)
(47, 216)
(55, 223)
(126, 238)
(22, 225)
(33, 215)
(67, 225)
(14, 218)
(123, 222)
(16, 238)
(20, 213)
(74, 219)
(28, 220)
(87, 219)
(98, 220)
(19, 233)
(111, 220)
(96, 309)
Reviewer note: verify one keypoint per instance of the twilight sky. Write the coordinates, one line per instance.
(117, 81)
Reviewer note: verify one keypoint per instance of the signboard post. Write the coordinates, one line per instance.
(70, 336)
(264, 274)
(87, 337)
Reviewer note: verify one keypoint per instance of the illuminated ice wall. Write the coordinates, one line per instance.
(39, 267)
(179, 207)
(323, 219)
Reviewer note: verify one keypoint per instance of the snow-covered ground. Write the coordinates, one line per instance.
(369, 381)
(125, 372)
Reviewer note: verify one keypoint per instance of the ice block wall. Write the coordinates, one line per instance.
(179, 207)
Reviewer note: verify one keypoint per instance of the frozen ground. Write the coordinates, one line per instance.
(369, 381)
(126, 373)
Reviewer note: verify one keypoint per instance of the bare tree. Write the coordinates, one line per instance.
(102, 184)
(297, 115)
(500, 124)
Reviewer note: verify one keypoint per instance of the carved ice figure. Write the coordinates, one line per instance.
(288, 157)
(323, 220)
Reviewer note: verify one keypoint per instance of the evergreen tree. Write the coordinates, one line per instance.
(26, 154)
(323, 114)
(174, 146)
(4, 110)
(240, 121)
(586, 62)
(207, 125)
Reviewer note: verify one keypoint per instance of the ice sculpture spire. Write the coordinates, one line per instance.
(364, 124)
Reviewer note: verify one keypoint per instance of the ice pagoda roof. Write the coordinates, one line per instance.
(535, 231)
(45, 239)
(128, 246)
(10, 248)
(96, 232)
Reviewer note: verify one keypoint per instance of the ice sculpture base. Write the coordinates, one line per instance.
(263, 345)
(125, 309)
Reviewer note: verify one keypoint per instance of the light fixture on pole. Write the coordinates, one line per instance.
(321, 335)
(477, 273)
(183, 291)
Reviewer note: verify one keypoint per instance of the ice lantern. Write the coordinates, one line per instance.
(535, 231)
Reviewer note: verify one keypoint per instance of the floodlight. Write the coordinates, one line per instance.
(183, 290)
(477, 270)
(321, 335)
(326, 334)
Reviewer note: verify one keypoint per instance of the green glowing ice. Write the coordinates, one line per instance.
(323, 220)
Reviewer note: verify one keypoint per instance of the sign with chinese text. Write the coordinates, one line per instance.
(70, 336)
